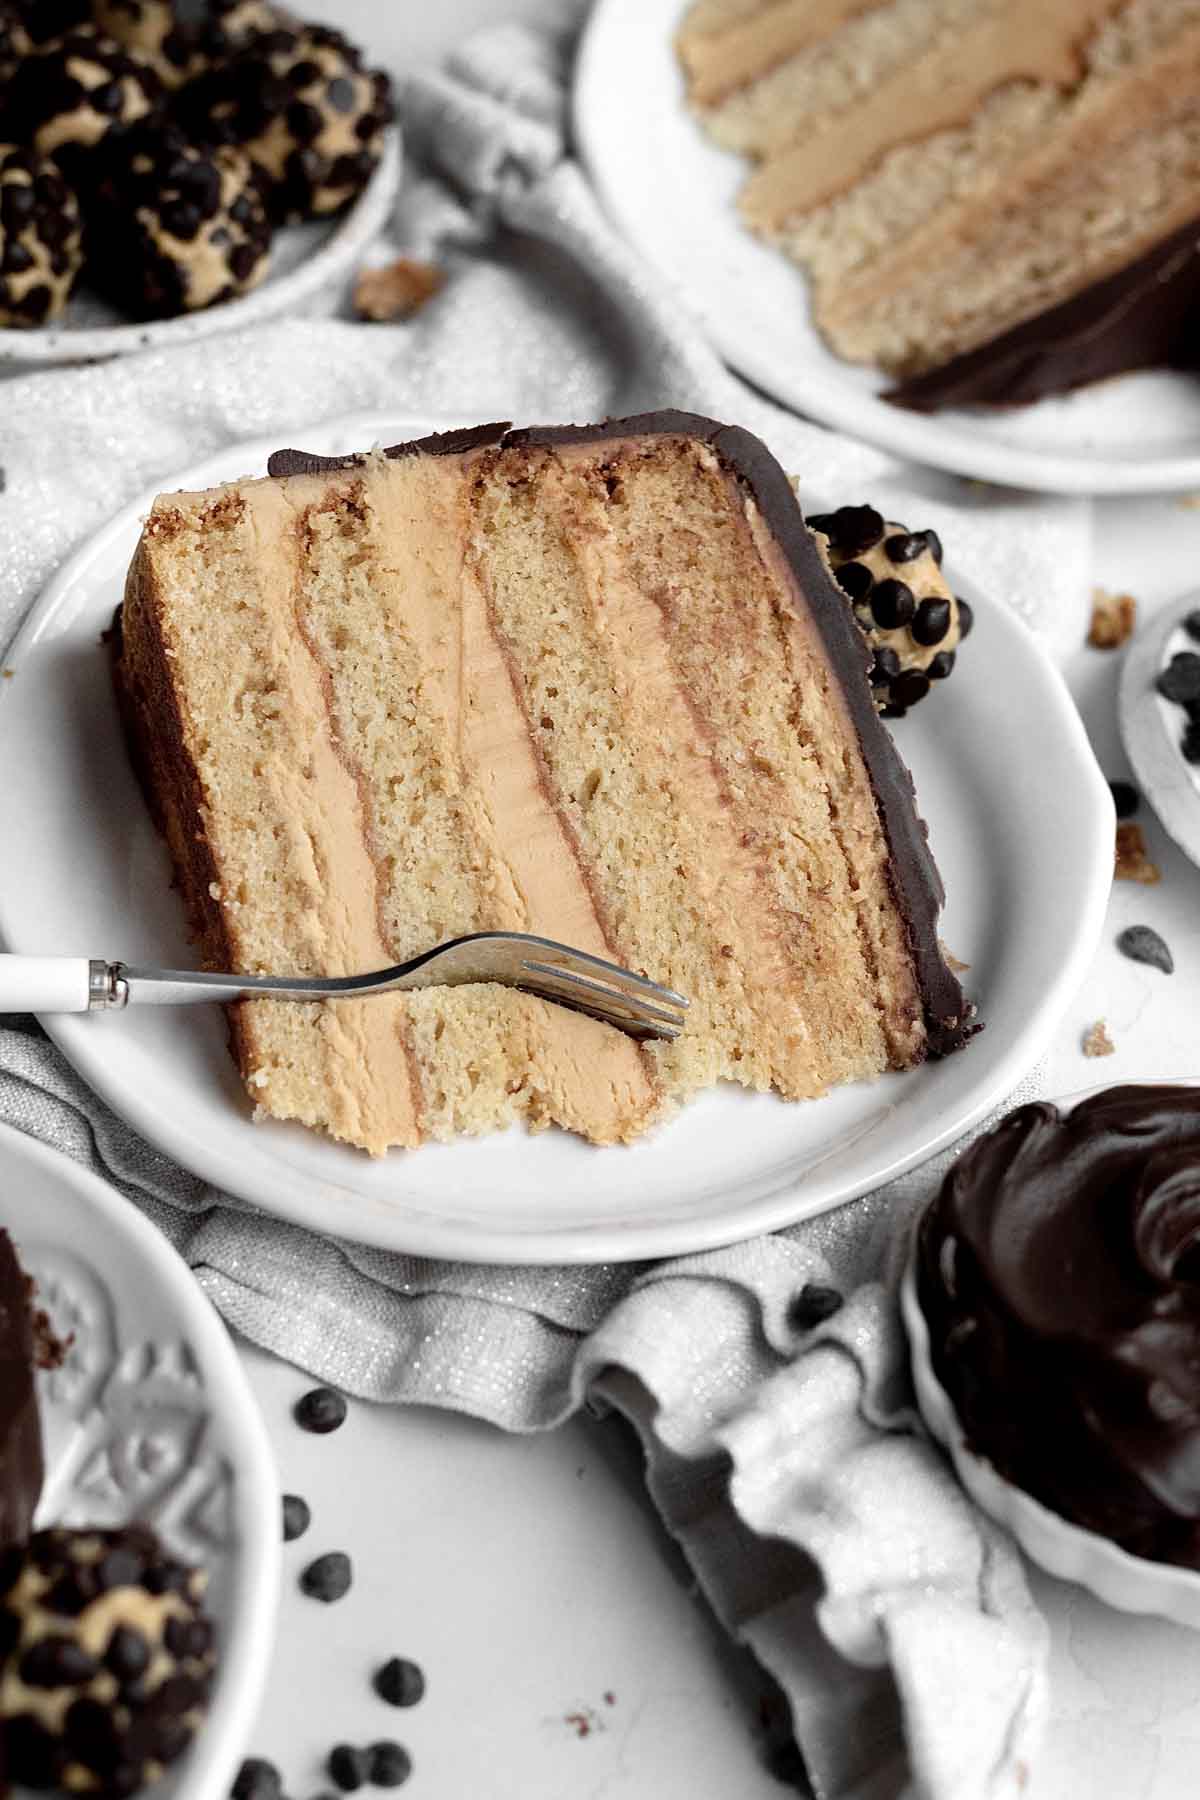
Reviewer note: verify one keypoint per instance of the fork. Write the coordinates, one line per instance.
(535, 965)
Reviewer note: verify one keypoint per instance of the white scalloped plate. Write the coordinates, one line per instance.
(151, 1417)
(304, 259)
(672, 193)
(1027, 864)
(1131, 1584)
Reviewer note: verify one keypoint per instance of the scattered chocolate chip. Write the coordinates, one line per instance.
(320, 1410)
(909, 687)
(892, 603)
(932, 622)
(297, 1516)
(1125, 798)
(1180, 680)
(257, 1779)
(941, 665)
(1141, 944)
(390, 1765)
(1192, 626)
(966, 618)
(905, 546)
(329, 1577)
(812, 1305)
(399, 1682)
(348, 1767)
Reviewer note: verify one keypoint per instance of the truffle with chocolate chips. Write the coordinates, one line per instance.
(40, 238)
(179, 48)
(15, 42)
(302, 105)
(175, 227)
(67, 98)
(107, 1660)
(893, 579)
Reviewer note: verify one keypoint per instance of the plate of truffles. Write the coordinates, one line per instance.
(170, 170)
(604, 684)
(139, 1507)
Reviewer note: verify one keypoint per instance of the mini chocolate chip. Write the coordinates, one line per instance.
(932, 622)
(320, 1410)
(257, 1779)
(165, 1578)
(17, 204)
(1189, 743)
(243, 261)
(910, 687)
(813, 1304)
(57, 1662)
(1180, 680)
(855, 579)
(120, 1567)
(341, 94)
(905, 546)
(304, 122)
(399, 1682)
(11, 1559)
(329, 1577)
(1125, 798)
(1192, 626)
(885, 667)
(348, 1767)
(90, 1733)
(297, 1516)
(966, 617)
(187, 1637)
(854, 529)
(128, 1653)
(16, 258)
(51, 191)
(303, 74)
(179, 1694)
(892, 603)
(10, 1632)
(1141, 944)
(935, 544)
(181, 219)
(365, 129)
(241, 210)
(109, 98)
(941, 665)
(893, 712)
(390, 1765)
(32, 1755)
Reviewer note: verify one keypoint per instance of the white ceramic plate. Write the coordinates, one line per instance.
(304, 259)
(151, 1418)
(672, 194)
(1151, 727)
(1021, 822)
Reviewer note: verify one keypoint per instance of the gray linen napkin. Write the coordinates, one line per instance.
(787, 1461)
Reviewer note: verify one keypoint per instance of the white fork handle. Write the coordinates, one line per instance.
(45, 984)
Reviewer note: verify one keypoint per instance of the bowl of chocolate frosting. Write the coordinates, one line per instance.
(1052, 1302)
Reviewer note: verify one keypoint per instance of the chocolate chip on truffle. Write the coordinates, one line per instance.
(909, 687)
(41, 249)
(297, 1517)
(329, 1577)
(885, 667)
(853, 529)
(54, 1662)
(905, 546)
(399, 1682)
(813, 1305)
(389, 1764)
(966, 618)
(941, 665)
(1180, 680)
(931, 622)
(854, 579)
(1142, 944)
(128, 1654)
(892, 604)
(257, 1779)
(320, 1410)
(348, 1767)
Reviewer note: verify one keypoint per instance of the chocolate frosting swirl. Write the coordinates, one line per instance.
(1059, 1272)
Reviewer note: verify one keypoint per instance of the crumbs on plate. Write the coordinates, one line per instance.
(1113, 619)
(1132, 863)
(1096, 1041)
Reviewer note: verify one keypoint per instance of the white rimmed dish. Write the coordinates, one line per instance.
(1132, 1584)
(672, 194)
(151, 1417)
(1027, 866)
(304, 260)
(1152, 727)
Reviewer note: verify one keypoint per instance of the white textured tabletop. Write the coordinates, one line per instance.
(566, 1655)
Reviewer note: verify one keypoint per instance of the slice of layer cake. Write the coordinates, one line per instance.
(946, 171)
(21, 1466)
(593, 683)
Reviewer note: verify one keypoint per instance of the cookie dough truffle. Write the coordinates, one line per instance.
(301, 104)
(40, 239)
(893, 579)
(176, 227)
(181, 49)
(106, 1660)
(1057, 1271)
(69, 97)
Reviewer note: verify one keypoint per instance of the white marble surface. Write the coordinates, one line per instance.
(530, 1578)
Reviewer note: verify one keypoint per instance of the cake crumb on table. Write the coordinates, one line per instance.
(1113, 619)
(396, 290)
(1132, 862)
(1096, 1041)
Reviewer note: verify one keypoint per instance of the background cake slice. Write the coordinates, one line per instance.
(594, 683)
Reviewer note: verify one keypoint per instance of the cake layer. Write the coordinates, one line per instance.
(595, 685)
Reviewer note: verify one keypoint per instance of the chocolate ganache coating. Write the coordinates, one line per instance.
(1059, 1272)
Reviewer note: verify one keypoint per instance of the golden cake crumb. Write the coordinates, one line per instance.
(1132, 862)
(1113, 619)
(1096, 1041)
(397, 290)
(951, 961)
